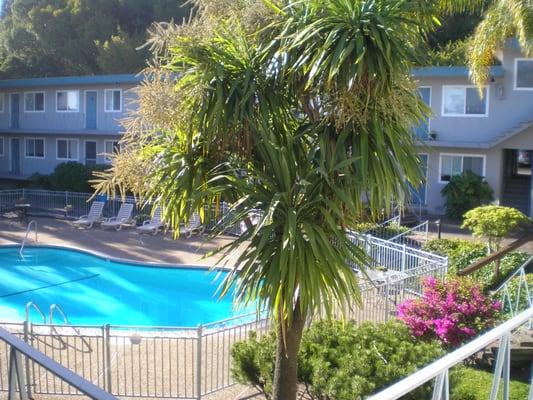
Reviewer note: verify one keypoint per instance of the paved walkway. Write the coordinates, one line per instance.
(125, 244)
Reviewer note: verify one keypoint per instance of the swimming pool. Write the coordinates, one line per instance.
(93, 290)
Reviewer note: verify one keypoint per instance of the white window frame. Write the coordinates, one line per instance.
(68, 159)
(107, 160)
(85, 150)
(68, 111)
(516, 74)
(34, 111)
(465, 115)
(429, 105)
(26, 144)
(3, 97)
(105, 100)
(462, 163)
(3, 141)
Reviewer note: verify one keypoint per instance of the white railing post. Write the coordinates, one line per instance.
(27, 360)
(199, 334)
(107, 343)
(441, 390)
(502, 365)
(404, 257)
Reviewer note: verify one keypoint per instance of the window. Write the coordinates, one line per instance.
(110, 147)
(67, 149)
(90, 152)
(34, 102)
(464, 101)
(455, 164)
(1, 146)
(34, 148)
(524, 74)
(2, 101)
(68, 101)
(113, 100)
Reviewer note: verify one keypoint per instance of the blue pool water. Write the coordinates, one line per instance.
(94, 291)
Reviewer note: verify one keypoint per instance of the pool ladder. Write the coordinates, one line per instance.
(26, 236)
(53, 307)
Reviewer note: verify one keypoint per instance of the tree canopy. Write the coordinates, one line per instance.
(78, 37)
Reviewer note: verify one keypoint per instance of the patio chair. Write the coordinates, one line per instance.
(94, 216)
(193, 226)
(152, 225)
(123, 217)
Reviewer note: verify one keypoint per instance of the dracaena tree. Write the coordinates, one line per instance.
(502, 20)
(303, 110)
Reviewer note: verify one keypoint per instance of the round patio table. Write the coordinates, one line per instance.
(22, 210)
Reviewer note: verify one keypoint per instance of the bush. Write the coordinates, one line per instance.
(493, 223)
(253, 362)
(464, 192)
(339, 360)
(512, 289)
(71, 176)
(461, 253)
(452, 311)
(473, 384)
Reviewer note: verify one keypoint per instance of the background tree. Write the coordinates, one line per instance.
(502, 20)
(494, 223)
(76, 37)
(296, 109)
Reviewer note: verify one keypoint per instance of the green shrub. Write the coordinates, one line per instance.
(461, 253)
(73, 176)
(465, 192)
(253, 362)
(512, 289)
(474, 384)
(339, 360)
(493, 223)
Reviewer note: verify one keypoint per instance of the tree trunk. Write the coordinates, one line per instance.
(286, 369)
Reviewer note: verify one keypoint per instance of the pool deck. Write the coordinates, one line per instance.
(126, 244)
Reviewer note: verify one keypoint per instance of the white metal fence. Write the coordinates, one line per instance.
(396, 257)
(167, 362)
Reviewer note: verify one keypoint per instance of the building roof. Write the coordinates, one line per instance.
(496, 71)
(71, 81)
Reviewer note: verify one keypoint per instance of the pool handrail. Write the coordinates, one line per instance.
(57, 307)
(28, 230)
(31, 304)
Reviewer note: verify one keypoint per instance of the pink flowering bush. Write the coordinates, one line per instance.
(452, 311)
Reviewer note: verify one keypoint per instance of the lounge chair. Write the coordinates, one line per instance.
(123, 217)
(94, 216)
(153, 225)
(193, 226)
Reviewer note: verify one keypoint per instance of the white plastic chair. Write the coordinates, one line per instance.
(94, 216)
(123, 217)
(152, 225)
(193, 226)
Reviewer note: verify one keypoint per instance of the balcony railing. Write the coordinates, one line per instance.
(439, 370)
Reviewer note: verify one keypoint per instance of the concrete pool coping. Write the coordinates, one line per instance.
(106, 257)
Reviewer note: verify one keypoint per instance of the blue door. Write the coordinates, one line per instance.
(418, 195)
(15, 156)
(15, 110)
(90, 110)
(422, 130)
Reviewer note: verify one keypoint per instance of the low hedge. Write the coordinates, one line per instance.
(461, 253)
(341, 361)
(474, 384)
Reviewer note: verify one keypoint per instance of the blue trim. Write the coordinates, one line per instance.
(71, 81)
(496, 71)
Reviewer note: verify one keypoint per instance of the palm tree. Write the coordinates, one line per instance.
(299, 109)
(503, 19)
